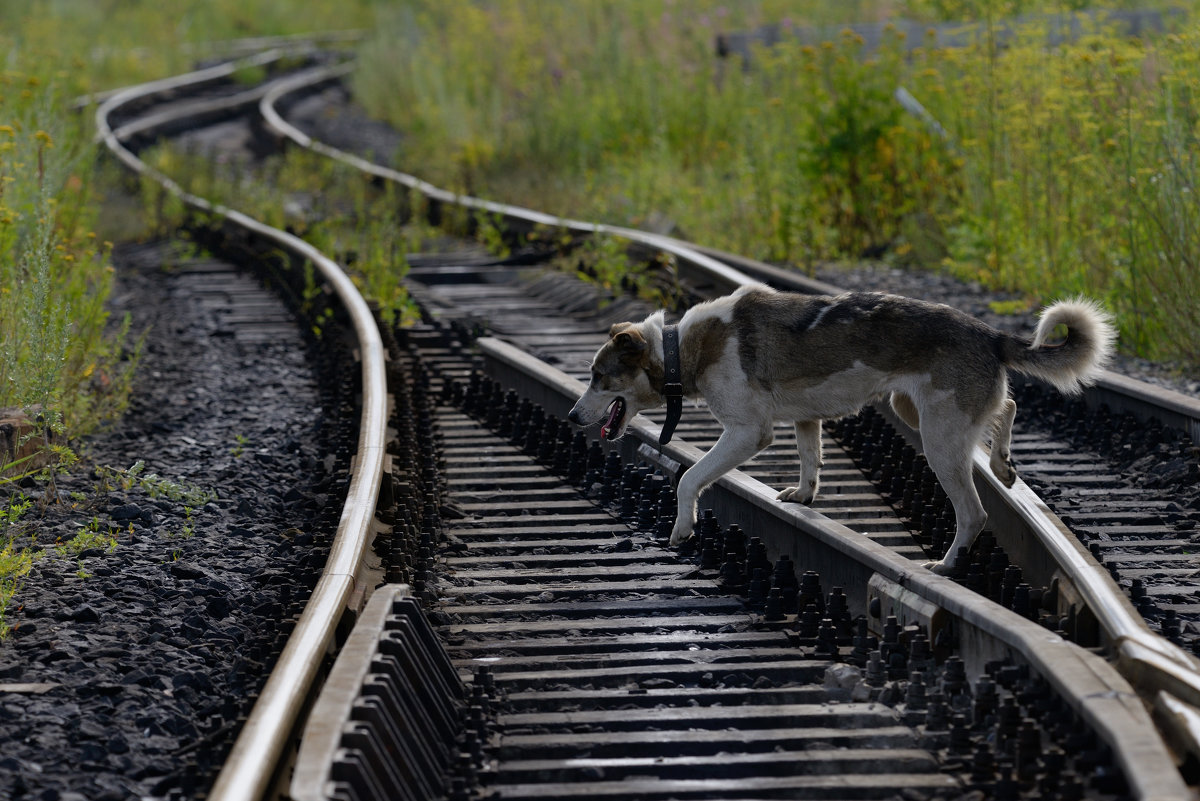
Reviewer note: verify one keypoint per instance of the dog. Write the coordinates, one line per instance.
(759, 356)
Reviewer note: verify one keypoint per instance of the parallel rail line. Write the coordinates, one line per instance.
(260, 747)
(873, 574)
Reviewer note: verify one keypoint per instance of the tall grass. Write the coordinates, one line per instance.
(59, 357)
(1079, 168)
(1067, 167)
(59, 354)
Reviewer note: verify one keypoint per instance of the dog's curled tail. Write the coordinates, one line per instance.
(1078, 359)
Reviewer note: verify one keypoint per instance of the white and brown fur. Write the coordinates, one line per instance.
(758, 356)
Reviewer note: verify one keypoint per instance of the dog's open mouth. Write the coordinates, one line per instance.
(616, 414)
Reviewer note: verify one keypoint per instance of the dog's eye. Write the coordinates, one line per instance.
(596, 376)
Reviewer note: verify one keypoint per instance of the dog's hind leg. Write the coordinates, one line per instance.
(735, 445)
(949, 453)
(1000, 459)
(808, 443)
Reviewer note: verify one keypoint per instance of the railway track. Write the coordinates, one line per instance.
(581, 658)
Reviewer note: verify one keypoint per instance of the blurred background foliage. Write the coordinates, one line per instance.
(1056, 153)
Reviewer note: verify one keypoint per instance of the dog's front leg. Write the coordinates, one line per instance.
(808, 444)
(735, 445)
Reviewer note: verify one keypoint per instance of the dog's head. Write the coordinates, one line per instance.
(624, 375)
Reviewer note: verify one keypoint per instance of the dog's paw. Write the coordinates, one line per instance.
(1002, 468)
(1007, 475)
(680, 533)
(940, 567)
(797, 495)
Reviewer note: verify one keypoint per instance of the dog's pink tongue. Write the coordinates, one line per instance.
(614, 418)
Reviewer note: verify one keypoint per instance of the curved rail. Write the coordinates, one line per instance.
(248, 772)
(713, 269)
(1151, 662)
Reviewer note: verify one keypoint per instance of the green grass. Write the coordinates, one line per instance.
(1067, 169)
(87, 538)
(15, 563)
(61, 358)
(60, 354)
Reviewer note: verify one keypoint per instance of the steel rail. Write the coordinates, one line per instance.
(250, 769)
(1150, 661)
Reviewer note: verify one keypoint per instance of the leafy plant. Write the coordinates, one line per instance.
(1054, 171)
(14, 509)
(605, 260)
(15, 564)
(157, 487)
(489, 230)
(91, 536)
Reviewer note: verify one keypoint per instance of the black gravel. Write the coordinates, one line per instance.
(146, 649)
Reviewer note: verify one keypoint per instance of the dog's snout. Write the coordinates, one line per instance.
(573, 416)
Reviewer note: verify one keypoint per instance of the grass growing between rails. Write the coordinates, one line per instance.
(1065, 168)
(331, 206)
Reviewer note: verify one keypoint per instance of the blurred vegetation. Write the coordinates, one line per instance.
(62, 361)
(1063, 165)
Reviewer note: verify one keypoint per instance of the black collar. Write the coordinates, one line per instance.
(672, 382)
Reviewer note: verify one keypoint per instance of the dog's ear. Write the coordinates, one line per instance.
(629, 341)
(618, 328)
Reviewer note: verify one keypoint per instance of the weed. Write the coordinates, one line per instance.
(155, 486)
(240, 443)
(15, 564)
(605, 260)
(188, 529)
(91, 536)
(332, 207)
(489, 230)
(60, 359)
(14, 509)
(15, 559)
